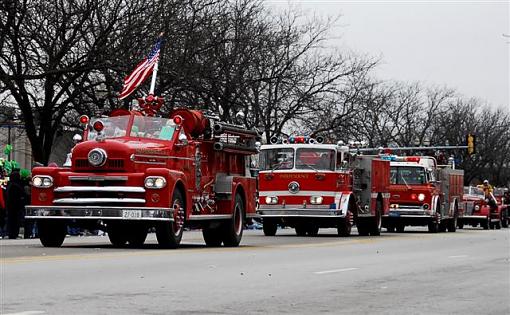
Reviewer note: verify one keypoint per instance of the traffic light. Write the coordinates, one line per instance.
(471, 142)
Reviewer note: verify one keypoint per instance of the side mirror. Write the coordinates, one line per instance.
(77, 138)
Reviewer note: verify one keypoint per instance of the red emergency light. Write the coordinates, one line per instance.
(84, 119)
(412, 159)
(178, 120)
(98, 126)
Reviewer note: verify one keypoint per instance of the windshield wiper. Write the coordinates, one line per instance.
(405, 182)
(310, 166)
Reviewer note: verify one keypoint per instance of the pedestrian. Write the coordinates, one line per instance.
(14, 203)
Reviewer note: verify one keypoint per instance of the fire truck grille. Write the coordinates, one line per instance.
(111, 164)
(88, 195)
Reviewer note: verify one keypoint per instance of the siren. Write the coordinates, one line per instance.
(312, 141)
(84, 119)
(285, 141)
(319, 139)
(98, 126)
(273, 140)
(178, 120)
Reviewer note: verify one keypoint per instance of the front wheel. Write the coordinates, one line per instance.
(52, 232)
(433, 227)
(233, 230)
(269, 227)
(212, 236)
(377, 220)
(486, 224)
(117, 234)
(169, 234)
(344, 225)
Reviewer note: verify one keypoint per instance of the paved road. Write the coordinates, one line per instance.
(467, 272)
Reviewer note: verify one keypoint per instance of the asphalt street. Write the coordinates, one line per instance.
(467, 272)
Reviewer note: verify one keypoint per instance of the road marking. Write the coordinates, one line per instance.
(334, 271)
(27, 313)
(458, 256)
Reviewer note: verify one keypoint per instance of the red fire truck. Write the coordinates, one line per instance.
(479, 210)
(308, 185)
(423, 194)
(503, 200)
(134, 171)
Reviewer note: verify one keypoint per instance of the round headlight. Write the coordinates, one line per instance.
(421, 197)
(268, 200)
(160, 182)
(477, 207)
(97, 157)
(37, 181)
(149, 182)
(47, 182)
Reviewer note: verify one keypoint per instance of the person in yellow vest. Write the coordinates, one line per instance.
(487, 188)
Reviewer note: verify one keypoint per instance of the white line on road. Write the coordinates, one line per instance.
(458, 256)
(334, 271)
(27, 313)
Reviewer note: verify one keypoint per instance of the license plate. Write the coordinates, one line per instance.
(131, 214)
(394, 214)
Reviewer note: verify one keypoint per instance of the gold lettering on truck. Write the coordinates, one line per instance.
(294, 176)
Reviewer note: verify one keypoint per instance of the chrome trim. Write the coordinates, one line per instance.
(93, 178)
(148, 156)
(307, 193)
(147, 162)
(197, 217)
(97, 213)
(423, 216)
(473, 217)
(252, 215)
(129, 189)
(303, 212)
(98, 200)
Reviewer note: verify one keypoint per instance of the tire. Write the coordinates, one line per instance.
(400, 228)
(460, 225)
(300, 229)
(117, 234)
(136, 235)
(269, 227)
(377, 220)
(212, 236)
(442, 226)
(344, 226)
(504, 222)
(312, 230)
(233, 229)
(169, 234)
(497, 225)
(390, 228)
(433, 227)
(485, 224)
(52, 232)
(363, 228)
(453, 222)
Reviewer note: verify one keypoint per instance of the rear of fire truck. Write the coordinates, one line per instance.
(423, 194)
(134, 172)
(308, 185)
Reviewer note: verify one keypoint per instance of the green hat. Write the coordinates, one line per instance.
(24, 173)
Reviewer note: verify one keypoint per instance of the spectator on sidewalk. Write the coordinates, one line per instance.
(14, 203)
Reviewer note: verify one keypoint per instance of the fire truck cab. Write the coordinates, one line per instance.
(308, 185)
(134, 171)
(423, 194)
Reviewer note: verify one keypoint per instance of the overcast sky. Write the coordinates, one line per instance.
(455, 43)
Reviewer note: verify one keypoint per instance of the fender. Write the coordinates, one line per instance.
(344, 201)
(435, 199)
(162, 197)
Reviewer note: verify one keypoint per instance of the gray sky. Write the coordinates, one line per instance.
(455, 43)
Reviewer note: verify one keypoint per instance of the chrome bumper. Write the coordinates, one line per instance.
(100, 213)
(409, 213)
(300, 213)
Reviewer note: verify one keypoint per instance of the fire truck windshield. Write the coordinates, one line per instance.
(152, 127)
(113, 127)
(277, 159)
(316, 159)
(407, 175)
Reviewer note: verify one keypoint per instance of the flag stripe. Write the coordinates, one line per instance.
(141, 71)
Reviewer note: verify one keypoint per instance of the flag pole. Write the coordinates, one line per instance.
(154, 72)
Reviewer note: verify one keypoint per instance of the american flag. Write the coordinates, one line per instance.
(142, 71)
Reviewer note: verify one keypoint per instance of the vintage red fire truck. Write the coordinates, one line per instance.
(423, 194)
(134, 171)
(479, 210)
(308, 185)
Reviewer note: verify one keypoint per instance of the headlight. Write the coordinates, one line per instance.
(271, 200)
(97, 157)
(421, 197)
(156, 182)
(42, 181)
(477, 207)
(316, 200)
